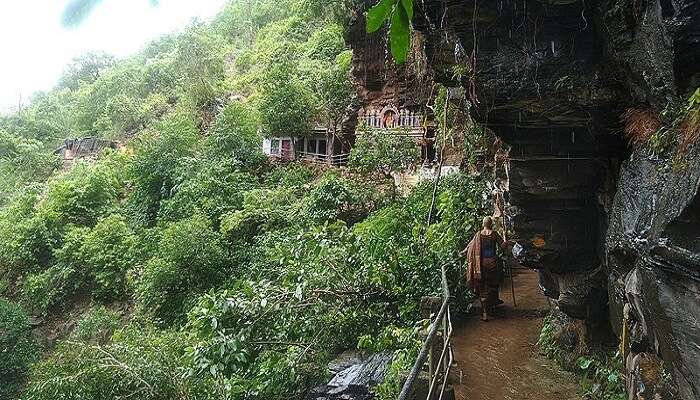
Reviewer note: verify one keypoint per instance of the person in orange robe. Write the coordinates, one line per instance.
(483, 276)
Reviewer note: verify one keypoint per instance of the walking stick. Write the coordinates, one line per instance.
(510, 271)
(512, 286)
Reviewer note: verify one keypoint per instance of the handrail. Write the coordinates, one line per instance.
(443, 316)
(335, 159)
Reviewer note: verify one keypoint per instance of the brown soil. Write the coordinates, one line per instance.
(498, 359)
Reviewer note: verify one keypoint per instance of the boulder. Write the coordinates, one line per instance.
(355, 378)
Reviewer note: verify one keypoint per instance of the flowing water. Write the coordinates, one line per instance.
(499, 360)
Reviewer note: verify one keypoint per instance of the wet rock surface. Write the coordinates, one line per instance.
(354, 378)
(647, 379)
(653, 248)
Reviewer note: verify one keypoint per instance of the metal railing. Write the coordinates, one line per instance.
(333, 159)
(438, 372)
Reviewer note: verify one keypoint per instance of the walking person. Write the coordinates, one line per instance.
(483, 274)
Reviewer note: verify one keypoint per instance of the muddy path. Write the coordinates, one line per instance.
(498, 359)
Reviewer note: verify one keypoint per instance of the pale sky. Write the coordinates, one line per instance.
(35, 47)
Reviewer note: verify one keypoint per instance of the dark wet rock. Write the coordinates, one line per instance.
(653, 242)
(355, 379)
(647, 379)
(345, 360)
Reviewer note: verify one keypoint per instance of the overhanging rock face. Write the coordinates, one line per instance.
(653, 246)
(543, 83)
(607, 225)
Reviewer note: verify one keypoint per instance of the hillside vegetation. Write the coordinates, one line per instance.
(185, 265)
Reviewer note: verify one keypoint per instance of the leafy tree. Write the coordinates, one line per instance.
(107, 252)
(286, 105)
(27, 237)
(190, 258)
(163, 156)
(330, 199)
(234, 138)
(199, 59)
(123, 86)
(139, 360)
(213, 191)
(384, 152)
(97, 326)
(335, 90)
(85, 69)
(82, 195)
(22, 161)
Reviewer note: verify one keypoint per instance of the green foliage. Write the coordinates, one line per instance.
(375, 150)
(330, 199)
(138, 360)
(400, 15)
(22, 162)
(84, 194)
(189, 258)
(17, 348)
(406, 343)
(97, 326)
(391, 338)
(334, 90)
(286, 104)
(26, 238)
(51, 287)
(107, 252)
(162, 157)
(85, 69)
(233, 138)
(602, 376)
(199, 59)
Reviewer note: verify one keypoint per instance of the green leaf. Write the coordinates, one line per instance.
(408, 6)
(584, 362)
(378, 14)
(400, 35)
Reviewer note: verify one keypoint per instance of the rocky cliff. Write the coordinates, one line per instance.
(610, 226)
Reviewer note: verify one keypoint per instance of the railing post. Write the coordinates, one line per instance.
(439, 325)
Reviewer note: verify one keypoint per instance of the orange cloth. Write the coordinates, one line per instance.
(474, 261)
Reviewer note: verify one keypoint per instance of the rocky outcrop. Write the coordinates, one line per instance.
(86, 147)
(605, 224)
(653, 250)
(354, 377)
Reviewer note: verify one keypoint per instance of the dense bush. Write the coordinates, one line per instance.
(97, 326)
(17, 348)
(106, 253)
(26, 237)
(51, 287)
(190, 257)
(163, 156)
(138, 361)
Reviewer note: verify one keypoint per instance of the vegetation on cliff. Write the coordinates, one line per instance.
(184, 264)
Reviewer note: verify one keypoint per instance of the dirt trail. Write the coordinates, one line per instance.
(498, 359)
